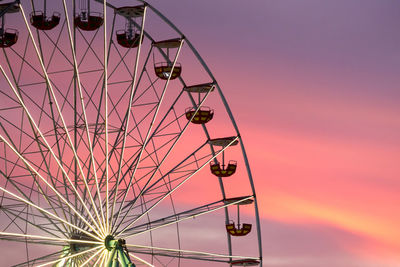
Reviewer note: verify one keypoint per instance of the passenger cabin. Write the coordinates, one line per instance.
(130, 36)
(203, 114)
(41, 22)
(200, 116)
(168, 70)
(245, 262)
(221, 169)
(238, 229)
(8, 37)
(87, 20)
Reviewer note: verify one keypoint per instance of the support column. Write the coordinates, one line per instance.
(118, 254)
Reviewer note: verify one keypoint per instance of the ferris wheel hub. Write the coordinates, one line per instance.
(118, 252)
(109, 242)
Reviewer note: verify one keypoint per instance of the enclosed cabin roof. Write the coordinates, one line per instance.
(170, 43)
(200, 88)
(131, 11)
(239, 201)
(225, 141)
(245, 262)
(9, 8)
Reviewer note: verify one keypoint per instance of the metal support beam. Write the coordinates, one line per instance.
(119, 256)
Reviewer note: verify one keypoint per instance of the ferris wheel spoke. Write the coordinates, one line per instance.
(118, 139)
(38, 238)
(146, 140)
(48, 147)
(29, 203)
(182, 216)
(185, 254)
(32, 125)
(19, 189)
(137, 180)
(126, 126)
(106, 117)
(89, 143)
(16, 208)
(123, 56)
(51, 117)
(131, 205)
(177, 137)
(33, 171)
(178, 182)
(91, 258)
(73, 256)
(138, 123)
(31, 222)
(35, 182)
(101, 94)
(60, 115)
(15, 219)
(98, 262)
(134, 158)
(89, 137)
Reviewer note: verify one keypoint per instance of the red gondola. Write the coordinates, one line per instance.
(202, 116)
(163, 70)
(89, 22)
(130, 36)
(167, 70)
(8, 37)
(238, 231)
(44, 23)
(125, 40)
(219, 170)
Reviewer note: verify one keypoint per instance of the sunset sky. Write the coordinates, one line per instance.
(314, 88)
(313, 85)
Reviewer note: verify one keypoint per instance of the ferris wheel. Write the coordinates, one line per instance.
(117, 145)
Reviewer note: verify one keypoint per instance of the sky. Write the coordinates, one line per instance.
(313, 85)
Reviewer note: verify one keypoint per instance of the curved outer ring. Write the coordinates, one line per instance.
(207, 69)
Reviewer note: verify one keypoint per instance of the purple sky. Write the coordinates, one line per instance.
(314, 87)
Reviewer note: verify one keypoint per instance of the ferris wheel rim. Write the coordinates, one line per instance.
(204, 127)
